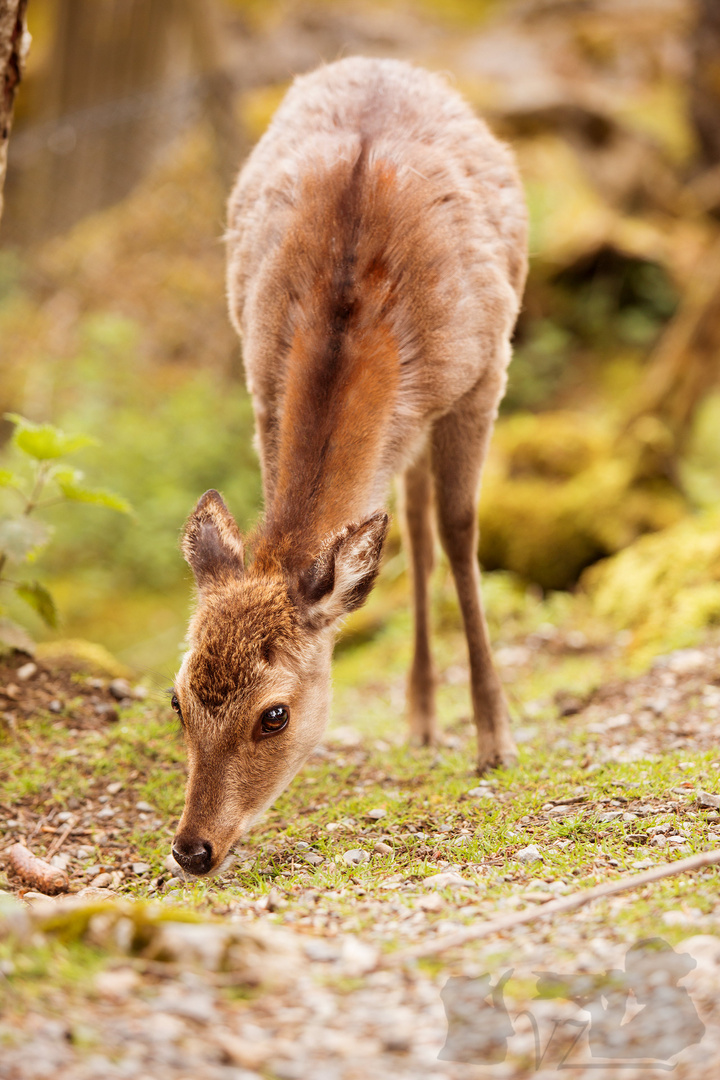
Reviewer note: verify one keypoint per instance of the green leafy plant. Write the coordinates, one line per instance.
(44, 479)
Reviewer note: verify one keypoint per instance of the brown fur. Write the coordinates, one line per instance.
(376, 257)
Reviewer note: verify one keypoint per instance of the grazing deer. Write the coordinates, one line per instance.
(377, 255)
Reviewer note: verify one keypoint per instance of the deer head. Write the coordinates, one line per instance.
(253, 691)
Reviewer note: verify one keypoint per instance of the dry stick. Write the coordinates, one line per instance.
(555, 907)
(46, 878)
(59, 840)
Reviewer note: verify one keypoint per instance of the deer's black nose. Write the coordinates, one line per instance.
(193, 855)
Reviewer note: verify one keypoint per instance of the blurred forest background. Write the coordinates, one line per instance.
(603, 486)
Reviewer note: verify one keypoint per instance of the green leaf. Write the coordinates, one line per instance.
(8, 479)
(21, 537)
(16, 637)
(43, 441)
(70, 483)
(39, 599)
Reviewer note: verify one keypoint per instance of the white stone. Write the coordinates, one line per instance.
(529, 854)
(683, 661)
(355, 857)
(357, 957)
(445, 880)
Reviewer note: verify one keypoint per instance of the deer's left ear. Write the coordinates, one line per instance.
(211, 543)
(341, 577)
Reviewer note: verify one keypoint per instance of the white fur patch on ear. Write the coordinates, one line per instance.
(340, 579)
(211, 543)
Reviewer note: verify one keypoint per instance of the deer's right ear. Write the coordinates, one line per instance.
(211, 543)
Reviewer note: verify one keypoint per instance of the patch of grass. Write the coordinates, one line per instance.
(291, 868)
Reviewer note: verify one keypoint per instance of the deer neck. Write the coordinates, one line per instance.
(334, 431)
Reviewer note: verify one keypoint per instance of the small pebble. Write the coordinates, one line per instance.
(448, 879)
(114, 788)
(108, 712)
(144, 807)
(377, 813)
(120, 689)
(96, 891)
(382, 848)
(26, 671)
(242, 1052)
(141, 868)
(355, 857)
(529, 854)
(175, 869)
(102, 881)
(55, 706)
(117, 982)
(432, 902)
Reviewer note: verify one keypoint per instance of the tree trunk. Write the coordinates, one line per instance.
(705, 81)
(685, 364)
(217, 88)
(14, 43)
(686, 361)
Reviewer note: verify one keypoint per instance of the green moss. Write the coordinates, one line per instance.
(665, 588)
(560, 494)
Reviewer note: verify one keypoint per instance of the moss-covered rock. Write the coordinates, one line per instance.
(560, 494)
(78, 655)
(666, 587)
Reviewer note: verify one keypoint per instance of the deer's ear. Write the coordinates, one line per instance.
(211, 543)
(341, 577)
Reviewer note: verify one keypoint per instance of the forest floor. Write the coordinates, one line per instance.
(291, 963)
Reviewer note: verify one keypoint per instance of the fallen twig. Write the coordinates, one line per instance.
(555, 907)
(59, 840)
(46, 878)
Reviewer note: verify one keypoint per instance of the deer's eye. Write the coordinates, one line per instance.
(175, 704)
(274, 720)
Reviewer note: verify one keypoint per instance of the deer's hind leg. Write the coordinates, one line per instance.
(417, 490)
(459, 445)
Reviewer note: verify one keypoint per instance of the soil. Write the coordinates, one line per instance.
(28, 686)
(340, 1011)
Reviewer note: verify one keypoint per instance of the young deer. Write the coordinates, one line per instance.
(377, 255)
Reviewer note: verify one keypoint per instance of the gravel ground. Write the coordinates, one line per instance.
(339, 1004)
(338, 1015)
